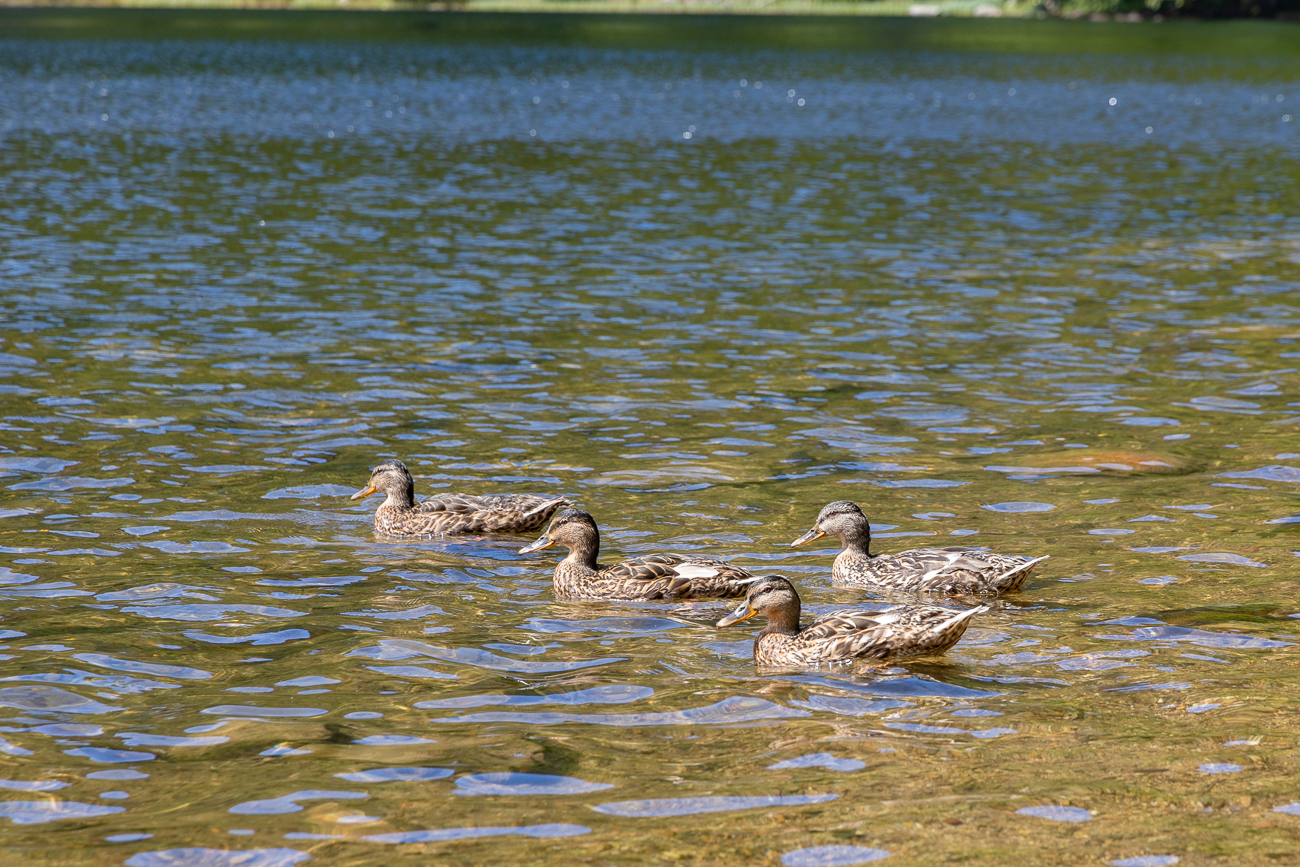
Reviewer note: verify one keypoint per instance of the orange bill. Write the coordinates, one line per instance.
(543, 542)
(744, 612)
(811, 536)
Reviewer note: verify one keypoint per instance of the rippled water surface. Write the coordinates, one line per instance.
(1043, 303)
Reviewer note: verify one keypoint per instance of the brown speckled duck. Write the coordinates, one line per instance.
(938, 570)
(400, 515)
(651, 576)
(879, 636)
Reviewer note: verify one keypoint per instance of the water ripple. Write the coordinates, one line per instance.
(507, 783)
(819, 760)
(445, 834)
(404, 648)
(33, 785)
(256, 639)
(832, 856)
(175, 671)
(1199, 637)
(289, 803)
(50, 698)
(36, 812)
(611, 694)
(737, 709)
(138, 739)
(247, 710)
(198, 612)
(396, 775)
(1056, 814)
(660, 807)
(392, 741)
(201, 857)
(107, 756)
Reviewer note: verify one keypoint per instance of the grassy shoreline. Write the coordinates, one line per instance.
(802, 24)
(852, 8)
(1094, 11)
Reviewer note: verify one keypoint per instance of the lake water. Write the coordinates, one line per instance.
(1038, 301)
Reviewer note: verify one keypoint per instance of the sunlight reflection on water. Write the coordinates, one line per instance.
(982, 318)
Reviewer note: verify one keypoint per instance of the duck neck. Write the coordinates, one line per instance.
(784, 621)
(857, 540)
(402, 500)
(584, 554)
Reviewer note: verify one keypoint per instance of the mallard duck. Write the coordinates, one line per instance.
(882, 636)
(940, 570)
(651, 576)
(400, 515)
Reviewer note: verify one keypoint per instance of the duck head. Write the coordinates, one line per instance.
(573, 529)
(844, 521)
(391, 478)
(772, 597)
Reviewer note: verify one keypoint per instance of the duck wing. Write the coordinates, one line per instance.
(452, 504)
(491, 513)
(673, 576)
(899, 632)
(952, 570)
(845, 622)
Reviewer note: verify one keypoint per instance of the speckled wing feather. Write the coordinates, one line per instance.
(672, 576)
(938, 570)
(466, 513)
(454, 504)
(898, 633)
(840, 623)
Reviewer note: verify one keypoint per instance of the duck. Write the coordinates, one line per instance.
(648, 577)
(964, 571)
(901, 632)
(446, 514)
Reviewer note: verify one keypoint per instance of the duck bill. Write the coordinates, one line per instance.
(540, 544)
(811, 536)
(744, 612)
(364, 492)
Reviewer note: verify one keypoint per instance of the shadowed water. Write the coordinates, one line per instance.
(1041, 303)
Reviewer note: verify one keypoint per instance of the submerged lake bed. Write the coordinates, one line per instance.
(998, 294)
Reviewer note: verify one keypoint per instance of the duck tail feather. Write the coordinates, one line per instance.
(555, 503)
(968, 613)
(1025, 566)
(694, 570)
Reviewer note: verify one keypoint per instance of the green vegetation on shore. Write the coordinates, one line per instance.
(1240, 38)
(1132, 11)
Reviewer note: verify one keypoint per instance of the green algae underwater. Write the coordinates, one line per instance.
(1038, 300)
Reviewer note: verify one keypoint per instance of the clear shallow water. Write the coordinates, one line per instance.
(1012, 320)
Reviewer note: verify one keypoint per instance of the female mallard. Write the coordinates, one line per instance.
(652, 576)
(939, 570)
(881, 636)
(399, 515)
